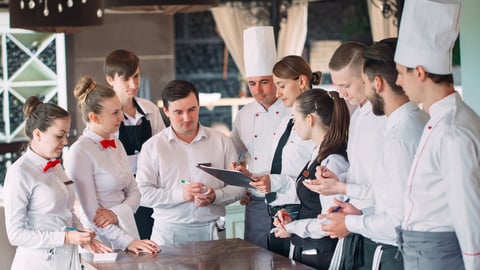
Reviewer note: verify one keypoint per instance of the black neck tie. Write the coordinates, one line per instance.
(277, 157)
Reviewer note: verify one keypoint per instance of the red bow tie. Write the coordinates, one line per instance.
(51, 164)
(108, 143)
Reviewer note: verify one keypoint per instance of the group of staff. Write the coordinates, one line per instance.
(387, 187)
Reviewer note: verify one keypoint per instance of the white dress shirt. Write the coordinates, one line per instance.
(402, 134)
(365, 134)
(38, 207)
(311, 227)
(103, 179)
(295, 154)
(443, 189)
(165, 160)
(253, 130)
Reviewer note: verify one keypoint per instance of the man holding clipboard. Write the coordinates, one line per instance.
(187, 203)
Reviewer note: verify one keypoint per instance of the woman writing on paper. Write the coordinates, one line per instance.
(99, 166)
(324, 118)
(39, 196)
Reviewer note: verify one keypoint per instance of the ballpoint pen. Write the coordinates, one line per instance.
(339, 207)
(205, 189)
(239, 160)
(326, 220)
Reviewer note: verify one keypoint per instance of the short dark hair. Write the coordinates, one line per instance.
(379, 61)
(121, 62)
(348, 54)
(437, 78)
(178, 89)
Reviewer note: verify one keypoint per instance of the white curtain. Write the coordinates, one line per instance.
(293, 31)
(231, 20)
(381, 28)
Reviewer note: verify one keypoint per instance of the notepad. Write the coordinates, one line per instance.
(105, 257)
(229, 177)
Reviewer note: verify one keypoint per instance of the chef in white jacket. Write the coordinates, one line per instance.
(255, 126)
(442, 210)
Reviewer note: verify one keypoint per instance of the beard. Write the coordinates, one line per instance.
(378, 104)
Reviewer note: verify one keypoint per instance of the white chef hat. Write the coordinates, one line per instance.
(428, 31)
(259, 51)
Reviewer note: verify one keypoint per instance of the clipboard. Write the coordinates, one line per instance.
(229, 177)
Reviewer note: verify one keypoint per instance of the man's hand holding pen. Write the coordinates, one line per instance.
(198, 193)
(336, 228)
(206, 198)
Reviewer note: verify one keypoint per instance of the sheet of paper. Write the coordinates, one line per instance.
(229, 177)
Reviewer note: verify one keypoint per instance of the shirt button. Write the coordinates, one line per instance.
(255, 158)
(256, 115)
(277, 112)
(255, 136)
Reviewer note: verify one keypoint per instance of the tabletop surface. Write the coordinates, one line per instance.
(231, 254)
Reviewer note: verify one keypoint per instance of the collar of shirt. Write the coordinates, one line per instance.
(273, 107)
(366, 108)
(132, 121)
(35, 158)
(399, 114)
(94, 136)
(442, 107)
(171, 136)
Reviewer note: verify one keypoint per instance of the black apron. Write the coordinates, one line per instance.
(132, 138)
(310, 207)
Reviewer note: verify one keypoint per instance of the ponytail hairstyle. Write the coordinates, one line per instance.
(293, 66)
(333, 113)
(40, 115)
(90, 95)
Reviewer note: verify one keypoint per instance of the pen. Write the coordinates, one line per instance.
(284, 215)
(325, 166)
(204, 188)
(239, 160)
(339, 207)
(73, 229)
(325, 220)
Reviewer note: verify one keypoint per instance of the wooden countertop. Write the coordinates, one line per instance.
(230, 254)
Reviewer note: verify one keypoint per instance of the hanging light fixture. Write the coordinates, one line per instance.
(55, 15)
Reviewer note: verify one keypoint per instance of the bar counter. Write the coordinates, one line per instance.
(229, 254)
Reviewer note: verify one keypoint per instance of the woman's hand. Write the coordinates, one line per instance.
(104, 217)
(77, 238)
(96, 246)
(282, 233)
(148, 246)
